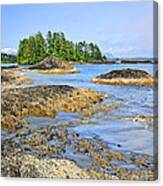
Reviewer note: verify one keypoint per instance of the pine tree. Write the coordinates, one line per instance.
(35, 48)
(49, 43)
(40, 47)
(23, 51)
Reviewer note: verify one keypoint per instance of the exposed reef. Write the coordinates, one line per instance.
(126, 77)
(53, 65)
(44, 151)
(47, 100)
(10, 79)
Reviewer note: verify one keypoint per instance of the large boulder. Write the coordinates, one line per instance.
(52, 63)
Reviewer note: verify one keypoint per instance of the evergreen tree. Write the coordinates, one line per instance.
(23, 51)
(35, 48)
(8, 58)
(49, 43)
(40, 47)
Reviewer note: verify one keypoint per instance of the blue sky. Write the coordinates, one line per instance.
(123, 29)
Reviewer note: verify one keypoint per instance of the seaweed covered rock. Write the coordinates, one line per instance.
(126, 77)
(9, 79)
(52, 63)
(47, 100)
(125, 73)
(12, 122)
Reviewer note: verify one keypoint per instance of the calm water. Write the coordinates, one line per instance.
(134, 101)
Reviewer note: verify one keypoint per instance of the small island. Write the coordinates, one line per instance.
(53, 54)
(126, 77)
(36, 48)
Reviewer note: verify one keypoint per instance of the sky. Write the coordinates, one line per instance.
(121, 29)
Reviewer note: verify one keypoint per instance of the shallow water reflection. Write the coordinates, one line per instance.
(135, 101)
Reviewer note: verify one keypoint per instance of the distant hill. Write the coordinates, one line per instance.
(8, 58)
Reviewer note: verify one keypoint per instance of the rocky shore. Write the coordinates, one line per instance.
(42, 151)
(126, 77)
(47, 100)
(10, 79)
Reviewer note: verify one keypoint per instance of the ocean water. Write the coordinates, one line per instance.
(134, 100)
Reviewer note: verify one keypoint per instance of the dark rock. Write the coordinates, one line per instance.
(52, 63)
(47, 100)
(119, 145)
(10, 78)
(125, 73)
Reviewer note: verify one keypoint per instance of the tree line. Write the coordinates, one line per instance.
(8, 58)
(35, 48)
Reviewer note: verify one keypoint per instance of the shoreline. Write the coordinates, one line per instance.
(56, 71)
(9, 79)
(92, 63)
(41, 152)
(35, 156)
(129, 76)
(123, 81)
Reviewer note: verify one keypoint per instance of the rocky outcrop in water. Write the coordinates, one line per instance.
(52, 63)
(47, 100)
(126, 77)
(125, 73)
(41, 100)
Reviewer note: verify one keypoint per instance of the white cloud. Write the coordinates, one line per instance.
(9, 50)
(110, 50)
